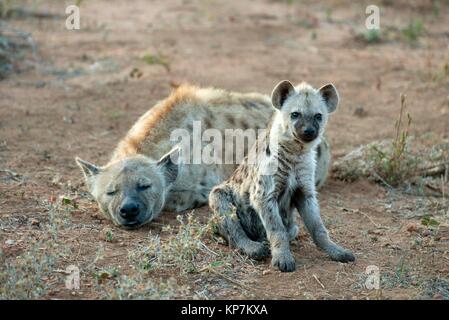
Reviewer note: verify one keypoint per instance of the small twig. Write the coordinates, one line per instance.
(363, 214)
(14, 175)
(241, 285)
(318, 280)
(255, 291)
(244, 259)
(432, 170)
(61, 271)
(208, 249)
(443, 191)
(115, 255)
(382, 180)
(428, 185)
(370, 219)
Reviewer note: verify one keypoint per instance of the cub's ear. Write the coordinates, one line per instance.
(170, 164)
(281, 92)
(330, 96)
(90, 171)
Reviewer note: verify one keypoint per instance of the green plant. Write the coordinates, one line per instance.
(108, 235)
(413, 30)
(436, 7)
(401, 277)
(5, 7)
(106, 273)
(114, 114)
(156, 59)
(446, 64)
(372, 36)
(429, 222)
(394, 165)
(437, 287)
(329, 14)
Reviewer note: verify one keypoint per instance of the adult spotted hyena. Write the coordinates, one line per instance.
(134, 188)
(257, 203)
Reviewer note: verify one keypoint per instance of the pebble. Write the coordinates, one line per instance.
(265, 272)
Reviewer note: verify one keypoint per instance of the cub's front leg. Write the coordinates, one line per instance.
(277, 234)
(309, 210)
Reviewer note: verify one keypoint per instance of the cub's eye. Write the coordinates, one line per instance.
(295, 115)
(319, 116)
(144, 187)
(111, 193)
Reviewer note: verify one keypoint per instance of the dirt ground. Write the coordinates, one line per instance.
(83, 89)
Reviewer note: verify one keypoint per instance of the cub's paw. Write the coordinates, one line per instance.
(341, 255)
(256, 250)
(284, 261)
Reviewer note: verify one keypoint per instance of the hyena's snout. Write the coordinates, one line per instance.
(309, 134)
(129, 212)
(307, 131)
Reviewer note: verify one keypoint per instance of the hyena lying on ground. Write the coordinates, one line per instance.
(257, 203)
(133, 188)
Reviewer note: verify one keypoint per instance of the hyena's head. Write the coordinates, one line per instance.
(131, 192)
(304, 110)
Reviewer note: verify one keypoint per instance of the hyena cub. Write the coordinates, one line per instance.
(255, 205)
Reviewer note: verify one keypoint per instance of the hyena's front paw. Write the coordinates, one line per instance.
(341, 255)
(283, 260)
(256, 250)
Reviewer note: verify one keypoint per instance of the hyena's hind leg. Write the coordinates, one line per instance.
(229, 226)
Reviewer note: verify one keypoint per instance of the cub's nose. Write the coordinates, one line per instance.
(129, 210)
(309, 132)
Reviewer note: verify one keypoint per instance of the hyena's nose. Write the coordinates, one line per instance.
(309, 132)
(129, 210)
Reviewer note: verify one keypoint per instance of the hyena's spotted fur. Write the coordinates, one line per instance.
(255, 205)
(134, 181)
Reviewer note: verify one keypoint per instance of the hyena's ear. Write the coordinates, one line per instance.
(89, 169)
(170, 164)
(281, 92)
(330, 96)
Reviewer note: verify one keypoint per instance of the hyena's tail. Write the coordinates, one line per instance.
(221, 201)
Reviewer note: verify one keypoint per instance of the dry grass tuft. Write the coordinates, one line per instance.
(30, 274)
(184, 248)
(396, 161)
